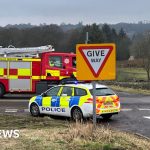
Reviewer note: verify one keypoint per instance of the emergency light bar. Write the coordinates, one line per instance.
(73, 81)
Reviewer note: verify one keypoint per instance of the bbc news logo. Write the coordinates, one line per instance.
(9, 134)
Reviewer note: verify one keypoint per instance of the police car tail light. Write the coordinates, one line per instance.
(89, 100)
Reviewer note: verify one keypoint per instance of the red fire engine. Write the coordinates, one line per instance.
(32, 70)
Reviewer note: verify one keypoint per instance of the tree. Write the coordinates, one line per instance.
(123, 43)
(141, 49)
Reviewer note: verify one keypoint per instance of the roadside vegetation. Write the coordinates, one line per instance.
(131, 77)
(50, 134)
(131, 73)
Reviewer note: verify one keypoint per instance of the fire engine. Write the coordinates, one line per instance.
(34, 69)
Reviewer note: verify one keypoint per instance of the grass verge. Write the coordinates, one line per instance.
(130, 90)
(50, 134)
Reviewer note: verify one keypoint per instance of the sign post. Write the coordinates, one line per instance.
(96, 62)
(94, 104)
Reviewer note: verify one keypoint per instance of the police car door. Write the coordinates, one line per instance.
(50, 101)
(65, 98)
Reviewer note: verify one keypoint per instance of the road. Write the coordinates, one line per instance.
(134, 116)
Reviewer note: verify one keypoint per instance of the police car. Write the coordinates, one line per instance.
(75, 101)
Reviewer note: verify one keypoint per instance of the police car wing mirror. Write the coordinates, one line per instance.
(63, 95)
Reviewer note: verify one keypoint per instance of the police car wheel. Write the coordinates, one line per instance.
(106, 116)
(77, 114)
(34, 109)
(2, 90)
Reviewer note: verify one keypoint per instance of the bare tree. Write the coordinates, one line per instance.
(141, 49)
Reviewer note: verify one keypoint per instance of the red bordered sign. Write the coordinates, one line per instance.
(96, 61)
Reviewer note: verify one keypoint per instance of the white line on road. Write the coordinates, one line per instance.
(143, 109)
(123, 109)
(26, 110)
(147, 117)
(11, 110)
(3, 100)
(126, 109)
(15, 110)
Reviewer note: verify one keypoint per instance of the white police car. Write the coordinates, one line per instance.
(76, 101)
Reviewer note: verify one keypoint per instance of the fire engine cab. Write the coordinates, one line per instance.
(33, 70)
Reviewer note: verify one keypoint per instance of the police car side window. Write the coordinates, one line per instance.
(53, 92)
(67, 90)
(80, 92)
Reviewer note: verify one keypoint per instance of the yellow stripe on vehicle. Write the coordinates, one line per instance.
(13, 77)
(32, 99)
(43, 77)
(82, 100)
(58, 94)
(46, 101)
(1, 71)
(75, 74)
(29, 59)
(24, 72)
(35, 77)
(64, 101)
(53, 72)
(8, 59)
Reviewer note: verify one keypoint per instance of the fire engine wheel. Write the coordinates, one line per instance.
(34, 110)
(106, 116)
(2, 90)
(76, 114)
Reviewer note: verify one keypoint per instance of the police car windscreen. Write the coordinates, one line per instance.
(102, 92)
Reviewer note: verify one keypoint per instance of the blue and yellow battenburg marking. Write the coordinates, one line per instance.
(55, 101)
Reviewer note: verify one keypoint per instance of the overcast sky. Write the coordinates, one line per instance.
(73, 11)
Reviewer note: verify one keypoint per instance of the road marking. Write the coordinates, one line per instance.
(126, 109)
(123, 109)
(147, 117)
(26, 110)
(11, 110)
(143, 109)
(16, 110)
(4, 100)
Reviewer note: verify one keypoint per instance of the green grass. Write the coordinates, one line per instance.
(29, 122)
(130, 90)
(132, 80)
(131, 74)
(133, 70)
(50, 134)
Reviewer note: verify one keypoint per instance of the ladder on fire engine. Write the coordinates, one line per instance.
(24, 52)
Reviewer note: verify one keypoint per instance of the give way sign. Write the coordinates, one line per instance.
(96, 61)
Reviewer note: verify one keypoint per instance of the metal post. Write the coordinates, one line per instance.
(87, 38)
(94, 104)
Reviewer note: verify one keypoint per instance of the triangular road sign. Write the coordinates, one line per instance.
(95, 57)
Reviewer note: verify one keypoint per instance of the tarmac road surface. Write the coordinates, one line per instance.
(134, 116)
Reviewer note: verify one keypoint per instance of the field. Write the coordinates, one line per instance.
(131, 74)
(130, 79)
(50, 134)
